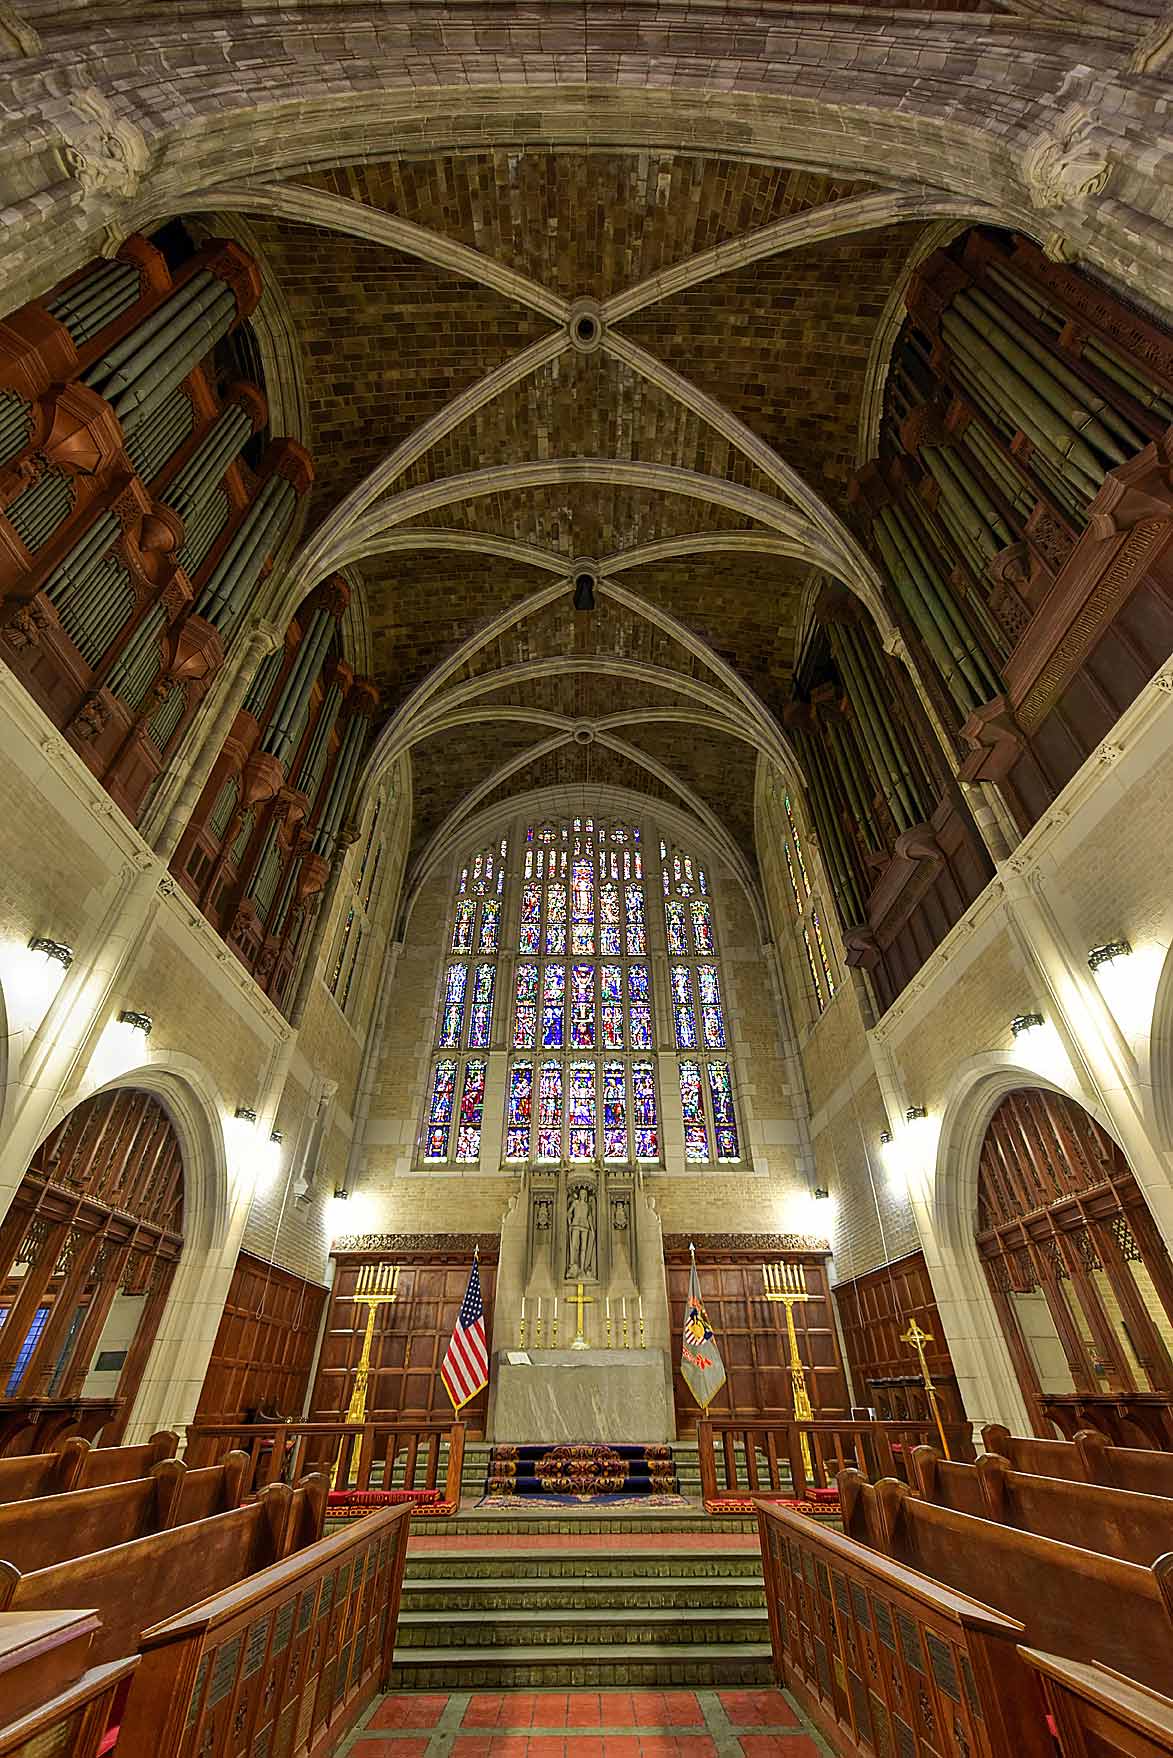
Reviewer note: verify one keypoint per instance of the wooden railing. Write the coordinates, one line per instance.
(358, 1455)
(284, 1661)
(748, 1458)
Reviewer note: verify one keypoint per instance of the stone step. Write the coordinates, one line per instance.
(480, 1524)
(610, 1626)
(656, 1665)
(630, 1592)
(582, 1565)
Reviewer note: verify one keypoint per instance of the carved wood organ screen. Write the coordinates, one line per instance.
(1021, 512)
(1077, 1268)
(142, 503)
(98, 1216)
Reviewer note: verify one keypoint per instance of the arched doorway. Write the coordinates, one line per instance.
(87, 1255)
(1078, 1272)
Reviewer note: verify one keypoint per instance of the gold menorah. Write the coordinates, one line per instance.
(377, 1285)
(787, 1283)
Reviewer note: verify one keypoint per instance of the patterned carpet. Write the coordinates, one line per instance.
(582, 1472)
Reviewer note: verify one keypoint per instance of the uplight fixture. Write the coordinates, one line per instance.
(138, 1022)
(914, 1113)
(278, 1136)
(341, 1194)
(52, 949)
(246, 1114)
(1108, 953)
(821, 1195)
(1025, 1022)
(885, 1138)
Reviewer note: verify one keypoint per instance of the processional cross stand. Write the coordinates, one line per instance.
(786, 1282)
(918, 1339)
(578, 1299)
(377, 1285)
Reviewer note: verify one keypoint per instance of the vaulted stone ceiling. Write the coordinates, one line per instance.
(700, 454)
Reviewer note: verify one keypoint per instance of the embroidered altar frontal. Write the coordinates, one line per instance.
(581, 1471)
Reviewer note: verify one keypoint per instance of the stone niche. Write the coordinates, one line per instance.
(595, 1372)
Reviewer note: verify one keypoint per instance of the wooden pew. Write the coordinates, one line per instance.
(52, 1699)
(1077, 1603)
(138, 1583)
(304, 1645)
(1098, 1714)
(884, 1660)
(1089, 1458)
(78, 1465)
(51, 1529)
(1118, 1522)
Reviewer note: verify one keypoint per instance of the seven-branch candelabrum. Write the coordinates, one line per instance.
(918, 1338)
(786, 1283)
(377, 1285)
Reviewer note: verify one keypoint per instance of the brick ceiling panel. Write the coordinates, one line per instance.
(609, 630)
(583, 695)
(577, 769)
(424, 603)
(587, 406)
(784, 344)
(720, 769)
(586, 519)
(447, 767)
(386, 340)
(585, 224)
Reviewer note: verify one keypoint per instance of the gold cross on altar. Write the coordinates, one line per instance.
(578, 1299)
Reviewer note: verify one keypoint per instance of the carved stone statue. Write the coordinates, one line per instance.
(581, 1236)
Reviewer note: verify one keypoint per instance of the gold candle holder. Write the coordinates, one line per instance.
(626, 1344)
(538, 1334)
(521, 1335)
(609, 1344)
(642, 1344)
(554, 1334)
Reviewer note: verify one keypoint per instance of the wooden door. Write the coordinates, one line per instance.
(410, 1337)
(751, 1332)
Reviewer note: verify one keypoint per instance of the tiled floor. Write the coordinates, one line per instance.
(586, 1724)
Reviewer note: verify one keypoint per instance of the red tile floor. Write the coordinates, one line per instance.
(586, 1724)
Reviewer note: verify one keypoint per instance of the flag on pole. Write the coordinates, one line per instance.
(701, 1367)
(465, 1367)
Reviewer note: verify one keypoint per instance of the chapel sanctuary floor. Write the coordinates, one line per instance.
(585, 1724)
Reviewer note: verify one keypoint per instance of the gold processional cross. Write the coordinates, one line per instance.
(787, 1283)
(579, 1299)
(918, 1339)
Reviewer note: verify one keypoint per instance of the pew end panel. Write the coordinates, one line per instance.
(885, 1660)
(285, 1661)
(1099, 1713)
(115, 1464)
(52, 1700)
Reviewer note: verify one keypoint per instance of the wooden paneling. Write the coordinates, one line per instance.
(410, 1338)
(874, 1311)
(751, 1332)
(264, 1349)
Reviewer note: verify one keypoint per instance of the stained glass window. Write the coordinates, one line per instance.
(725, 1125)
(582, 911)
(517, 1122)
(581, 1108)
(614, 1111)
(611, 1005)
(440, 1111)
(550, 1112)
(556, 918)
(609, 924)
(452, 1015)
(466, 909)
(696, 1133)
(824, 957)
(712, 1019)
(525, 1018)
(553, 997)
(472, 1106)
(674, 923)
(637, 934)
(639, 1010)
(702, 926)
(490, 929)
(530, 937)
(643, 1111)
(582, 1007)
(682, 1008)
(481, 1019)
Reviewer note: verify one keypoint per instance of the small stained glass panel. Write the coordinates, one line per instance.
(452, 1013)
(712, 1017)
(643, 1111)
(489, 937)
(472, 1106)
(639, 1013)
(721, 1093)
(553, 999)
(614, 1112)
(529, 938)
(462, 927)
(637, 933)
(518, 1118)
(582, 1007)
(696, 1133)
(525, 1017)
(702, 927)
(556, 919)
(550, 1112)
(675, 928)
(440, 1110)
(683, 1014)
(581, 1109)
(609, 926)
(480, 1023)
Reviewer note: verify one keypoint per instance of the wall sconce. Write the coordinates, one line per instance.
(341, 1194)
(245, 1114)
(1107, 954)
(52, 949)
(277, 1136)
(885, 1138)
(138, 1022)
(1025, 1022)
(821, 1195)
(914, 1113)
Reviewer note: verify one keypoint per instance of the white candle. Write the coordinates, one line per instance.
(607, 1306)
(555, 1306)
(641, 1306)
(523, 1306)
(625, 1306)
(539, 1309)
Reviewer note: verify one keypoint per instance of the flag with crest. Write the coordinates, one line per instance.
(701, 1367)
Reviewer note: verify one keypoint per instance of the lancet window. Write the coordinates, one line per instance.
(454, 1118)
(352, 942)
(700, 1027)
(815, 957)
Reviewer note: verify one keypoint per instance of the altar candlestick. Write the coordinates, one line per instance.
(523, 1306)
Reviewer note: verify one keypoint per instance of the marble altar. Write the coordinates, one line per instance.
(553, 1395)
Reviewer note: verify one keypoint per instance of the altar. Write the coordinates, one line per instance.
(556, 1395)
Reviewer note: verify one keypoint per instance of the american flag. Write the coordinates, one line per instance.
(465, 1368)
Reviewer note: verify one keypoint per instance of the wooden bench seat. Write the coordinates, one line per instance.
(52, 1529)
(77, 1465)
(144, 1580)
(1078, 1603)
(1089, 1458)
(302, 1647)
(1118, 1522)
